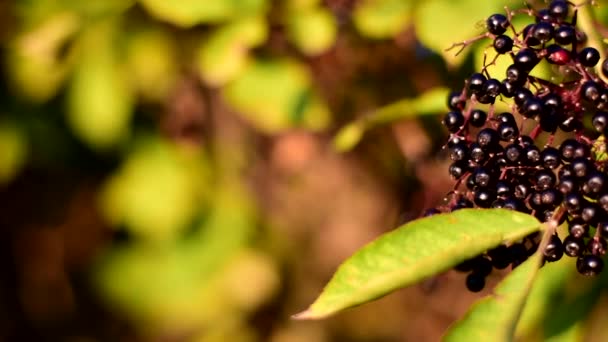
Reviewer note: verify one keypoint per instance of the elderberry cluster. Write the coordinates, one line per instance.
(536, 156)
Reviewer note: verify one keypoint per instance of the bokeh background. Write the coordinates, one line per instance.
(196, 170)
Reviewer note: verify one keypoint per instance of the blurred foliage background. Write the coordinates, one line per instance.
(168, 169)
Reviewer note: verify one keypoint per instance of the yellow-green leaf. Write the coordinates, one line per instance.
(313, 31)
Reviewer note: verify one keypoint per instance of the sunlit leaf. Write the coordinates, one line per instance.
(100, 99)
(312, 31)
(382, 18)
(415, 251)
(191, 12)
(157, 192)
(275, 95)
(224, 55)
(430, 102)
(152, 62)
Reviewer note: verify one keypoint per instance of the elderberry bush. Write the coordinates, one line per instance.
(542, 156)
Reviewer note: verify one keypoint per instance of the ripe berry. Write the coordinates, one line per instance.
(550, 198)
(500, 257)
(483, 198)
(573, 247)
(531, 156)
(600, 121)
(529, 38)
(567, 184)
(506, 117)
(581, 167)
(513, 153)
(508, 131)
(590, 91)
(589, 57)
(507, 89)
(516, 75)
(503, 44)
(564, 35)
(482, 177)
(554, 249)
(589, 265)
(602, 228)
(595, 184)
(453, 121)
(544, 179)
(552, 101)
(526, 58)
(570, 124)
(550, 157)
(455, 101)
(605, 67)
(558, 9)
(549, 120)
(458, 169)
(475, 282)
(543, 15)
(543, 31)
(503, 189)
(532, 107)
(578, 229)
(521, 96)
(459, 152)
(574, 202)
(491, 88)
(497, 24)
(567, 149)
(478, 118)
(488, 138)
(475, 83)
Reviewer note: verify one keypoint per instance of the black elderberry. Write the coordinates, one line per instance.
(521, 96)
(550, 198)
(459, 152)
(600, 121)
(605, 67)
(453, 121)
(536, 201)
(483, 198)
(573, 247)
(597, 246)
(590, 214)
(550, 157)
(567, 149)
(516, 75)
(567, 184)
(558, 9)
(564, 35)
(554, 249)
(503, 189)
(577, 228)
(521, 191)
(529, 38)
(475, 83)
(574, 203)
(543, 31)
(482, 177)
(588, 56)
(557, 55)
(590, 91)
(543, 15)
(508, 131)
(526, 58)
(497, 24)
(477, 153)
(552, 101)
(517, 254)
(595, 184)
(488, 138)
(491, 87)
(475, 282)
(580, 167)
(507, 88)
(526, 140)
(478, 118)
(544, 179)
(455, 101)
(603, 202)
(506, 117)
(532, 107)
(458, 169)
(549, 120)
(454, 139)
(513, 153)
(531, 156)
(570, 124)
(503, 44)
(589, 265)
(500, 257)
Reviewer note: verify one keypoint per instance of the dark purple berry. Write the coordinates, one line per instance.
(564, 35)
(529, 38)
(477, 153)
(455, 101)
(600, 121)
(459, 152)
(554, 249)
(602, 228)
(573, 247)
(567, 149)
(588, 56)
(488, 138)
(458, 169)
(578, 229)
(558, 9)
(475, 282)
(589, 265)
(526, 58)
(453, 121)
(503, 44)
(543, 32)
(497, 24)
(475, 83)
(550, 157)
(508, 131)
(590, 91)
(605, 67)
(597, 246)
(478, 118)
(513, 153)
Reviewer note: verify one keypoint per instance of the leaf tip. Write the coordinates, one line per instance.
(304, 315)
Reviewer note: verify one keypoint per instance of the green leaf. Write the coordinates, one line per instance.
(13, 150)
(224, 55)
(495, 317)
(415, 251)
(430, 102)
(382, 18)
(275, 95)
(100, 99)
(187, 13)
(441, 23)
(313, 31)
